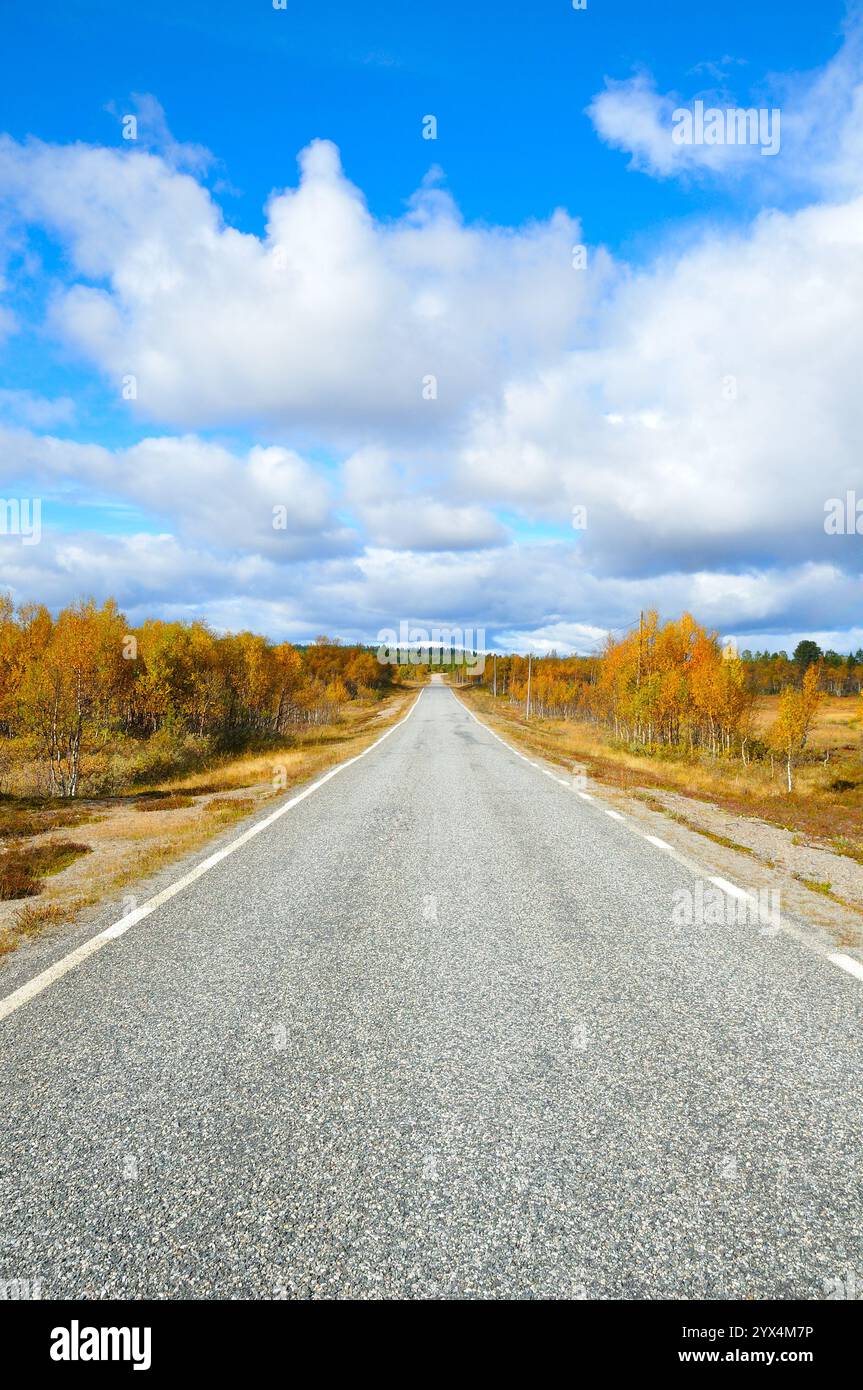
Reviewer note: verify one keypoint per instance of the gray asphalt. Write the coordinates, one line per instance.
(434, 1035)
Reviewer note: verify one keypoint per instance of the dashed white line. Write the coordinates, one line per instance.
(730, 888)
(838, 958)
(844, 962)
(55, 972)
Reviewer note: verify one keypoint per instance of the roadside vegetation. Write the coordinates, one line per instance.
(123, 748)
(666, 706)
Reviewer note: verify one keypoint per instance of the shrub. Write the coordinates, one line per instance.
(17, 879)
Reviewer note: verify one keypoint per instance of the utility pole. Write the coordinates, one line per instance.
(495, 674)
(527, 710)
(640, 630)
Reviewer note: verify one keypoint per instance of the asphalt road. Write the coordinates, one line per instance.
(435, 1034)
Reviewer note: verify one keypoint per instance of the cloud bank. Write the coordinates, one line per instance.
(427, 400)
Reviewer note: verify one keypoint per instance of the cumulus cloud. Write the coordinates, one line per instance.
(714, 418)
(397, 511)
(332, 319)
(268, 501)
(541, 595)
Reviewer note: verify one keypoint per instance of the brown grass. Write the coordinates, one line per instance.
(31, 920)
(837, 727)
(165, 803)
(55, 856)
(224, 809)
(17, 879)
(33, 917)
(21, 869)
(21, 817)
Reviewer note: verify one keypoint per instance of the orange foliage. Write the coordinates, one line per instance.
(70, 683)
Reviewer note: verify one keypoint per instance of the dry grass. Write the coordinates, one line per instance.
(31, 920)
(223, 810)
(836, 729)
(165, 803)
(21, 869)
(21, 817)
(34, 917)
(17, 879)
(55, 856)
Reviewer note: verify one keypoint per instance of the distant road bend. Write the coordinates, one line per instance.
(433, 1034)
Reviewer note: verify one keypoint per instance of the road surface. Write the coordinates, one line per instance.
(434, 1034)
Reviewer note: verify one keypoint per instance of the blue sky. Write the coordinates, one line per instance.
(511, 83)
(279, 331)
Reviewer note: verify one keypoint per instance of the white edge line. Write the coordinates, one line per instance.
(55, 972)
(848, 963)
(585, 796)
(732, 889)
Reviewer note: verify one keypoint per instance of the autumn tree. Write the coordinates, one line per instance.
(84, 681)
(797, 706)
(69, 695)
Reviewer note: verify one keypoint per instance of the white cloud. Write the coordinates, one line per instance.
(631, 115)
(819, 132)
(332, 320)
(399, 511)
(563, 638)
(702, 407)
(42, 412)
(150, 131)
(664, 135)
(714, 418)
(199, 491)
